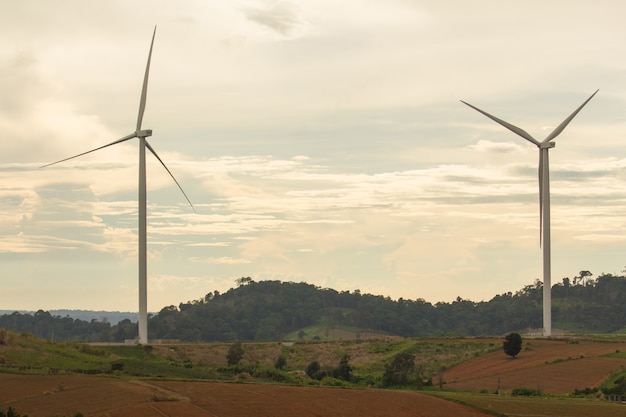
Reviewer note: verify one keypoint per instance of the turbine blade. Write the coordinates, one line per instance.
(124, 139)
(556, 132)
(144, 88)
(512, 128)
(171, 175)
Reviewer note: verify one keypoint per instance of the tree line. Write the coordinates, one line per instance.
(269, 310)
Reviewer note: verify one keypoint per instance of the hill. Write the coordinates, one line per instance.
(274, 310)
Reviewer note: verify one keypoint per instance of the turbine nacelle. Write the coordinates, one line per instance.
(547, 145)
(143, 133)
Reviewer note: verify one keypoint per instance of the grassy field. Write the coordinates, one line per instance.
(30, 353)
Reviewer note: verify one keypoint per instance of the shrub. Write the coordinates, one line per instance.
(268, 373)
(235, 354)
(256, 371)
(585, 392)
(330, 381)
(281, 362)
(344, 370)
(314, 370)
(401, 371)
(10, 413)
(619, 387)
(525, 392)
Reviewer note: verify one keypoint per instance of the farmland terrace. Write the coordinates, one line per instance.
(550, 366)
(46, 395)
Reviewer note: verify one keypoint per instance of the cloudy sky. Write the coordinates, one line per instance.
(319, 141)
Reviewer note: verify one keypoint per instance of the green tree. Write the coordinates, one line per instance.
(281, 362)
(235, 354)
(243, 281)
(512, 344)
(344, 370)
(314, 370)
(401, 371)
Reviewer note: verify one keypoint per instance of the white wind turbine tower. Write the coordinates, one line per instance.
(544, 201)
(142, 234)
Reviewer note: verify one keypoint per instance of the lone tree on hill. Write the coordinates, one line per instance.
(512, 345)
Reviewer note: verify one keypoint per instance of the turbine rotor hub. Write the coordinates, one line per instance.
(144, 133)
(546, 145)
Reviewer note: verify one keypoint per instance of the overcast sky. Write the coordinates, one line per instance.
(319, 141)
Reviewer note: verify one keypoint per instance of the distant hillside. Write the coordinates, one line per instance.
(113, 317)
(270, 310)
(274, 310)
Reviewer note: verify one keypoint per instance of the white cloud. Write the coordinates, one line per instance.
(280, 16)
(220, 260)
(495, 147)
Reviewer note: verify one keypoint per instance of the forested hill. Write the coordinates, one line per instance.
(270, 310)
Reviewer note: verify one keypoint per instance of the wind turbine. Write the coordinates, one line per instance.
(544, 201)
(142, 135)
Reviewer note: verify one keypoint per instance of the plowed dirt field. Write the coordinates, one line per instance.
(54, 395)
(552, 366)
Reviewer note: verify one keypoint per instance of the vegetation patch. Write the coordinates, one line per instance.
(615, 385)
(525, 392)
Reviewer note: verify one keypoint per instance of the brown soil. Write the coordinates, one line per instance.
(552, 366)
(42, 396)
(506, 405)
